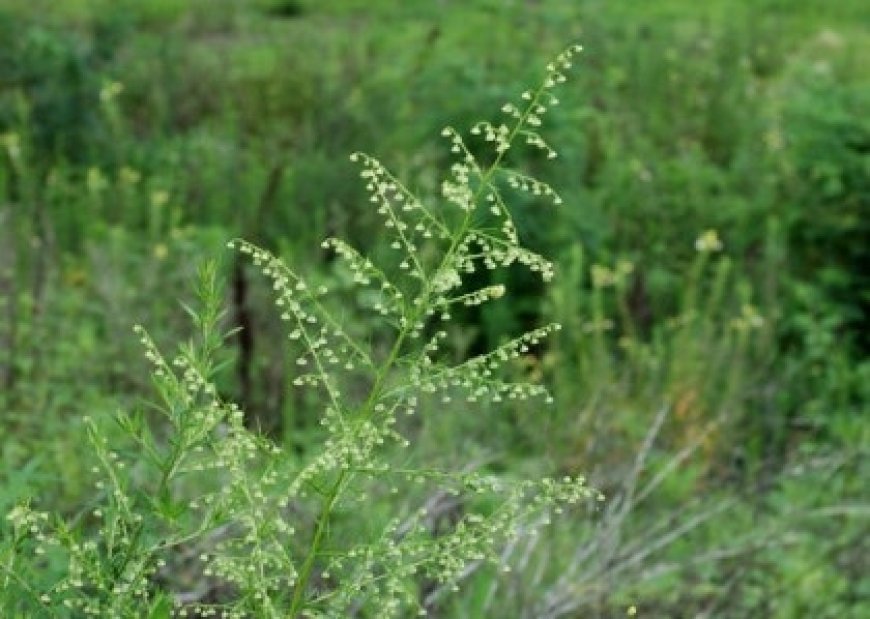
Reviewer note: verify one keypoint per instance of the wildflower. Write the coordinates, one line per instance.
(602, 276)
(96, 180)
(11, 141)
(749, 319)
(159, 198)
(110, 91)
(708, 242)
(129, 176)
(623, 269)
(496, 292)
(161, 251)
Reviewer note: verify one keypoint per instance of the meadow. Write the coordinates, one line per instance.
(396, 308)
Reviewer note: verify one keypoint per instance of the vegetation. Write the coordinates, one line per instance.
(365, 447)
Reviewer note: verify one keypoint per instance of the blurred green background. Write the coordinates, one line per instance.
(719, 398)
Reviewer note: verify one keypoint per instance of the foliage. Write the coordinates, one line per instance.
(718, 398)
(213, 486)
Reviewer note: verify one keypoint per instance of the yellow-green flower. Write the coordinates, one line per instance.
(708, 242)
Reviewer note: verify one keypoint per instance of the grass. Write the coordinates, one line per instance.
(718, 399)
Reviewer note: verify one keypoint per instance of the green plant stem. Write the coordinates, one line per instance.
(368, 409)
(162, 487)
(326, 512)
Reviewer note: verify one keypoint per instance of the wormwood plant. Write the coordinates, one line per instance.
(207, 518)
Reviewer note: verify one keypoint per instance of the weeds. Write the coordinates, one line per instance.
(213, 486)
(718, 398)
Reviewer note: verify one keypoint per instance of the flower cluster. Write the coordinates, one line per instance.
(478, 377)
(708, 242)
(603, 277)
(749, 319)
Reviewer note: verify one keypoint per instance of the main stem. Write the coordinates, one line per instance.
(367, 410)
(323, 519)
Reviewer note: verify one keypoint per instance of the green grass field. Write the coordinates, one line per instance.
(710, 377)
